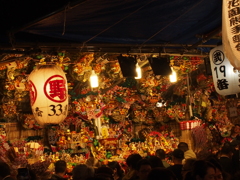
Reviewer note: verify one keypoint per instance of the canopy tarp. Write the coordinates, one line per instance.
(137, 22)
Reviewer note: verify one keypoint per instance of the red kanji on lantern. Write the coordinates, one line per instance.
(32, 92)
(55, 89)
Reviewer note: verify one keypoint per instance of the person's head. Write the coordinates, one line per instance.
(226, 150)
(82, 172)
(115, 166)
(143, 169)
(26, 173)
(132, 160)
(203, 170)
(219, 169)
(32, 175)
(177, 156)
(161, 173)
(187, 166)
(236, 176)
(183, 146)
(235, 144)
(161, 154)
(155, 161)
(104, 173)
(60, 167)
(97, 178)
(4, 170)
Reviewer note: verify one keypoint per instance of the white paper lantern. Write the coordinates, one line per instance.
(48, 94)
(231, 31)
(225, 77)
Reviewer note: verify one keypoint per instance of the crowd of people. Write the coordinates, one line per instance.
(184, 165)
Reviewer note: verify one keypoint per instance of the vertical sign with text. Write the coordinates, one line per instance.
(231, 31)
(225, 77)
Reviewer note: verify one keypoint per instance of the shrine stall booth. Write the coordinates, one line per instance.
(50, 111)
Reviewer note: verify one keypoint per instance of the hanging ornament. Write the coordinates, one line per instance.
(48, 94)
(225, 77)
(230, 32)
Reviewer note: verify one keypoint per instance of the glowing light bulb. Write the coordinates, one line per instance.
(139, 72)
(173, 76)
(94, 80)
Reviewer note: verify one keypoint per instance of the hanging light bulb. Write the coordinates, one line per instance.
(173, 76)
(139, 72)
(93, 80)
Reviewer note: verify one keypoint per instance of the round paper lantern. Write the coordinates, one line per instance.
(225, 77)
(231, 31)
(48, 94)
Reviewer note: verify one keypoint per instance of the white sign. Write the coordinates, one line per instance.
(231, 31)
(225, 77)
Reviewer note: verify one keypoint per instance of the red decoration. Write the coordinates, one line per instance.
(57, 90)
(188, 125)
(33, 92)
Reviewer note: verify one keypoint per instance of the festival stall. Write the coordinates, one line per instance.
(121, 116)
